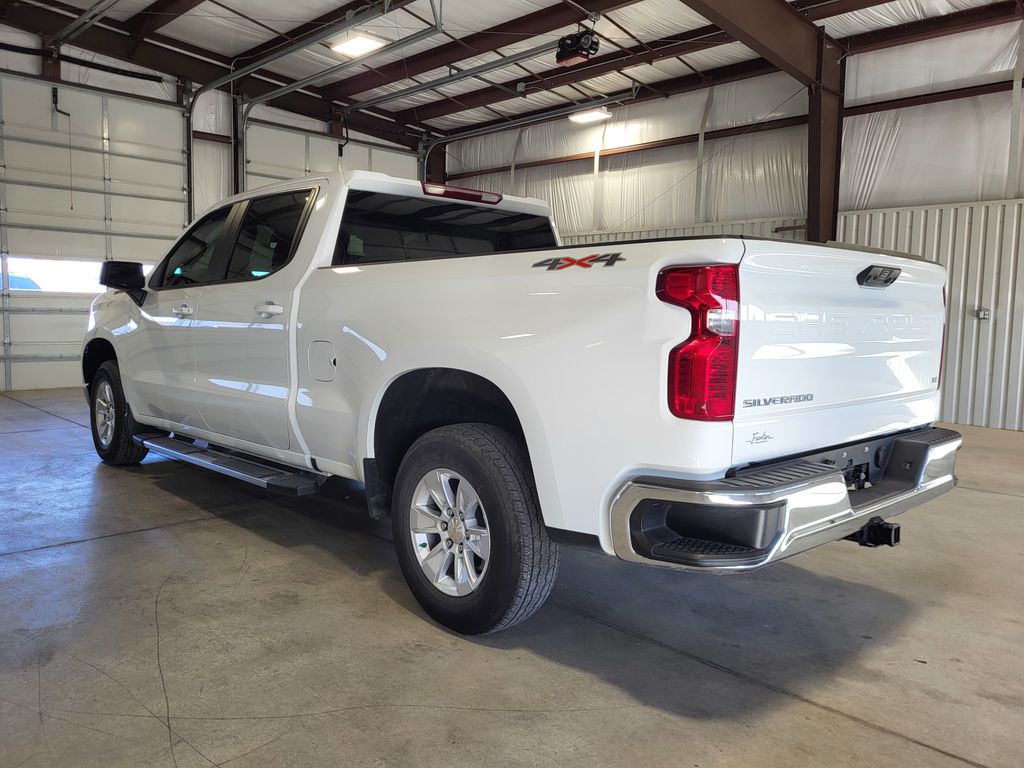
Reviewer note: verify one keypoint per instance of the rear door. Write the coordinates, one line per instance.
(161, 361)
(242, 327)
(835, 346)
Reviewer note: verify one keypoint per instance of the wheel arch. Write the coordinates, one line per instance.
(423, 399)
(96, 352)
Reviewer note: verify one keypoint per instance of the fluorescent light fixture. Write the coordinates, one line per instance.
(354, 44)
(591, 115)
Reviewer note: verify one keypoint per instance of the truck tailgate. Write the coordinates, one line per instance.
(824, 359)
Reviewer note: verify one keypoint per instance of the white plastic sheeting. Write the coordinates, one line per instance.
(928, 154)
(936, 153)
(211, 173)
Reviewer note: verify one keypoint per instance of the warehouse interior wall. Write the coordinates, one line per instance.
(946, 152)
(936, 180)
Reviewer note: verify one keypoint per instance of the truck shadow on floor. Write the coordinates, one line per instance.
(693, 645)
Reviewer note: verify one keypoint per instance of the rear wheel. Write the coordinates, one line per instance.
(111, 420)
(468, 530)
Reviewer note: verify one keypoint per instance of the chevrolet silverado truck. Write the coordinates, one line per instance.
(712, 404)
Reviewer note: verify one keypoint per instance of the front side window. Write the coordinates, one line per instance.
(378, 227)
(191, 260)
(267, 235)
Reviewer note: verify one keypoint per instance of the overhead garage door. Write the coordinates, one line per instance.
(277, 154)
(108, 183)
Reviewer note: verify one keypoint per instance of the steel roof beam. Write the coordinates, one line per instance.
(682, 44)
(111, 38)
(676, 45)
(499, 36)
(937, 26)
(87, 18)
(455, 77)
(156, 15)
(950, 24)
(772, 28)
(673, 86)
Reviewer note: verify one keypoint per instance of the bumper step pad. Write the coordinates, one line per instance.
(685, 545)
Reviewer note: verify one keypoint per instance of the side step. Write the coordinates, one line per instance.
(275, 478)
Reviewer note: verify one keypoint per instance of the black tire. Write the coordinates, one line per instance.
(120, 449)
(523, 560)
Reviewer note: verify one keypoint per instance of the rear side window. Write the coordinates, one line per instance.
(378, 227)
(266, 235)
(191, 260)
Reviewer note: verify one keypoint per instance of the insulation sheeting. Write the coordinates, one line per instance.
(929, 154)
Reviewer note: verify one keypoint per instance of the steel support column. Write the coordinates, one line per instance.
(777, 31)
(825, 141)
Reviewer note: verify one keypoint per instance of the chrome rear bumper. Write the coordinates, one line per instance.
(758, 517)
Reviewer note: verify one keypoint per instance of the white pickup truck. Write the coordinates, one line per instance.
(698, 403)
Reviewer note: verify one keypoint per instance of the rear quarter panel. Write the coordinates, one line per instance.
(581, 353)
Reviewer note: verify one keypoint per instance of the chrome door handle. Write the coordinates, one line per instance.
(269, 309)
(182, 310)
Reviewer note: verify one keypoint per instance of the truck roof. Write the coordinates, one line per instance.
(372, 181)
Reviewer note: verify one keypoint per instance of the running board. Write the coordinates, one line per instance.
(275, 478)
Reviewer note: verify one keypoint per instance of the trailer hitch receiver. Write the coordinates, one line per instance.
(876, 532)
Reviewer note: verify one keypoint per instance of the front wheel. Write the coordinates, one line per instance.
(468, 530)
(111, 419)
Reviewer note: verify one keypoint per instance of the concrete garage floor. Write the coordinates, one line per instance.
(161, 615)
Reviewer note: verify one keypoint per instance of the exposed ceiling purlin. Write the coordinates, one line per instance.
(950, 24)
(687, 42)
(539, 22)
(669, 87)
(573, 86)
(78, 25)
(816, 10)
(309, 27)
(672, 46)
(938, 26)
(156, 15)
(112, 38)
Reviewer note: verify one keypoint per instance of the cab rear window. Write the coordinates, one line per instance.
(378, 227)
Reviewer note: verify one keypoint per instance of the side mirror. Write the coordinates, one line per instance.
(122, 276)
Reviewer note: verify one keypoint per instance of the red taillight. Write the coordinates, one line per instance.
(460, 193)
(702, 370)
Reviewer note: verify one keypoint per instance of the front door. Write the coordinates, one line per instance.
(242, 326)
(161, 368)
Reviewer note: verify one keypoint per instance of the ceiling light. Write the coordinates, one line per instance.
(355, 44)
(591, 115)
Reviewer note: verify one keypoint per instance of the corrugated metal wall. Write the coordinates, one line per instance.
(980, 246)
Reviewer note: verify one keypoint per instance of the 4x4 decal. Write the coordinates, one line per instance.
(561, 262)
